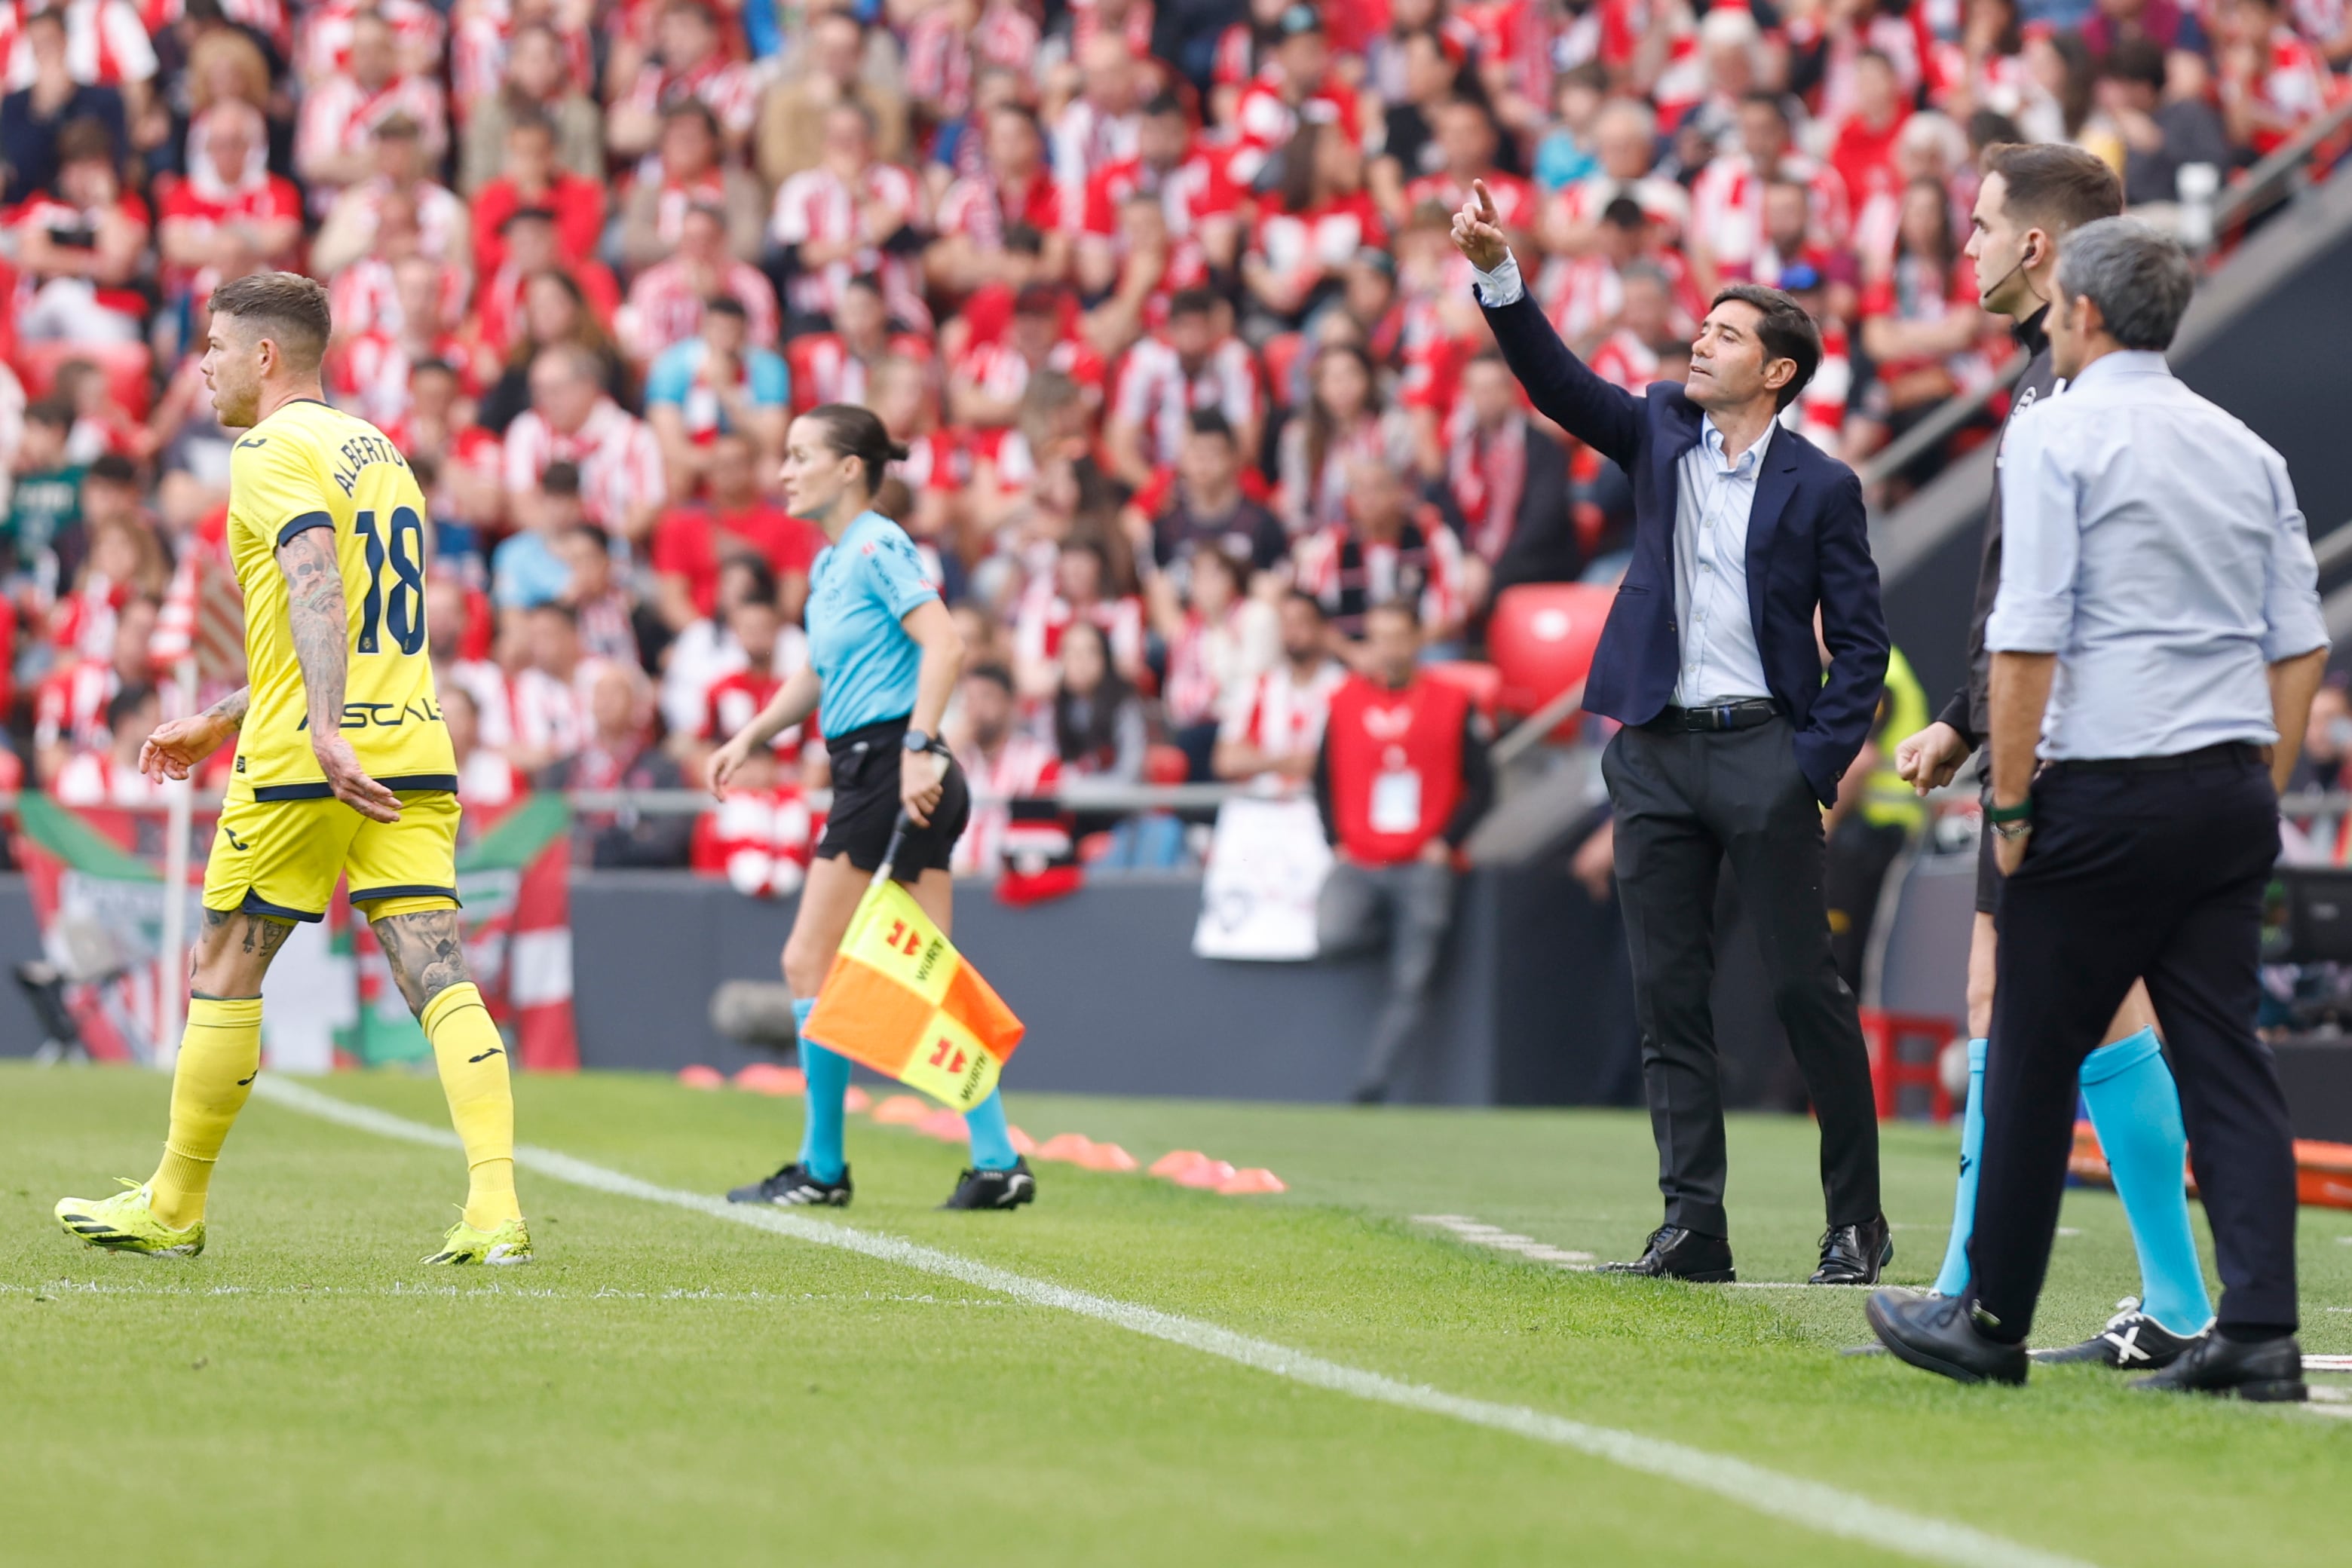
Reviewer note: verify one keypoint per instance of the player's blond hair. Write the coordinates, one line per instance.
(287, 308)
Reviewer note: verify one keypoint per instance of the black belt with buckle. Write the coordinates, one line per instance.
(1746, 715)
(2223, 754)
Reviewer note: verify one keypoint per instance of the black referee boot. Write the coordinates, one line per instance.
(794, 1187)
(994, 1189)
(2131, 1339)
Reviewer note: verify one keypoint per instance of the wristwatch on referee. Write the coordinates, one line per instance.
(918, 742)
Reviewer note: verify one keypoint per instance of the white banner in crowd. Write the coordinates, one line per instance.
(1266, 865)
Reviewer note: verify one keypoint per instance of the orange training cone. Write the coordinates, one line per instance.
(1208, 1174)
(943, 1124)
(770, 1078)
(702, 1076)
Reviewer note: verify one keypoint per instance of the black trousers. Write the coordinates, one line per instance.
(2138, 875)
(1684, 803)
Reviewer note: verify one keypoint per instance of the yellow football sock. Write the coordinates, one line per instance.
(473, 1063)
(220, 1056)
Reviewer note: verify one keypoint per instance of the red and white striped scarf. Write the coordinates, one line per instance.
(1488, 472)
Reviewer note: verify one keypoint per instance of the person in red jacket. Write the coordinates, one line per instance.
(1402, 779)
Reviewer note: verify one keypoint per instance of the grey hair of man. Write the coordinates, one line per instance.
(2140, 278)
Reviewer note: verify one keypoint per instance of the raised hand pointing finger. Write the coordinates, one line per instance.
(1478, 234)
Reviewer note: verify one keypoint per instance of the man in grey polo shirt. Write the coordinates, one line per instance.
(2156, 643)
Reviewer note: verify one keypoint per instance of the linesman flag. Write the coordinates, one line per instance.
(901, 999)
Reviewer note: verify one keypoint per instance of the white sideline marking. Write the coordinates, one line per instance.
(1480, 1233)
(1810, 1504)
(1793, 1285)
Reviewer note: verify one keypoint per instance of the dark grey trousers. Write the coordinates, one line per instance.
(1684, 804)
(1411, 907)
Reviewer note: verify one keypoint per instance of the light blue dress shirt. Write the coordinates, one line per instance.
(1712, 501)
(860, 590)
(2153, 543)
(1720, 661)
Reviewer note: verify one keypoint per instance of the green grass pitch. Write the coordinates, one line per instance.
(666, 1387)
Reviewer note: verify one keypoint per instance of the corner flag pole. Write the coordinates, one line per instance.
(890, 850)
(177, 795)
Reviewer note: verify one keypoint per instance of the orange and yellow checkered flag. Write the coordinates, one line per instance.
(901, 999)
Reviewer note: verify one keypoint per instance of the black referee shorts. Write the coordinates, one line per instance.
(865, 805)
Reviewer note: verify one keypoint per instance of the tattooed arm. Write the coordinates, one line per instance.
(321, 636)
(177, 749)
(230, 709)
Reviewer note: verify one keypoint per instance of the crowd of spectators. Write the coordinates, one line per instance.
(1160, 298)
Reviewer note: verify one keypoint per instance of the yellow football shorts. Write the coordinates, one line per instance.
(282, 858)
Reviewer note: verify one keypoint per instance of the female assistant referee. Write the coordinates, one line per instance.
(883, 656)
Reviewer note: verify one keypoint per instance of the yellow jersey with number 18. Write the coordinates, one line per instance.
(307, 467)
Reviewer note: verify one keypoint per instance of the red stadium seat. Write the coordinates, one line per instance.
(1483, 682)
(1541, 637)
(129, 367)
(1165, 765)
(1281, 356)
(1904, 1050)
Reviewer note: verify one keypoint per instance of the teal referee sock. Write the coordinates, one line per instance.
(827, 1073)
(2136, 1111)
(1953, 1279)
(991, 1135)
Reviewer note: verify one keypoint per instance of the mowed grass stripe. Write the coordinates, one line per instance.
(1811, 1504)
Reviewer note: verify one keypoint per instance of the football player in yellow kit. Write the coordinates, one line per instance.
(343, 768)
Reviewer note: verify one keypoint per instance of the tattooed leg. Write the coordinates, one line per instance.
(232, 953)
(426, 954)
(428, 962)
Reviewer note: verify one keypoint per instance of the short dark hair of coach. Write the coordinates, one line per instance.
(2121, 279)
(1785, 332)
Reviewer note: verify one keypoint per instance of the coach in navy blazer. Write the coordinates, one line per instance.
(1808, 544)
(1733, 738)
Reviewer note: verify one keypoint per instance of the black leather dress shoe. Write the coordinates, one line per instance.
(1935, 1334)
(2267, 1371)
(1674, 1253)
(1854, 1253)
